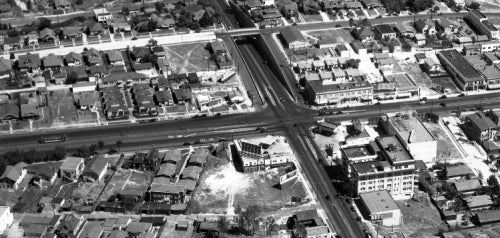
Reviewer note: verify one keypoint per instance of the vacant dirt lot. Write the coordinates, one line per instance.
(62, 108)
(189, 58)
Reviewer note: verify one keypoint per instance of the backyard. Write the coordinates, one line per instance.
(421, 218)
(186, 58)
(62, 108)
(339, 35)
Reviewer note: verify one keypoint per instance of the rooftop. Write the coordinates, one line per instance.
(461, 64)
(318, 87)
(479, 201)
(481, 121)
(410, 128)
(378, 201)
(401, 81)
(291, 34)
(358, 151)
(394, 149)
(467, 185)
(71, 163)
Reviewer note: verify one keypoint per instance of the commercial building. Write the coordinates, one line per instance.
(464, 74)
(412, 134)
(293, 38)
(381, 208)
(394, 170)
(357, 90)
(479, 21)
(481, 127)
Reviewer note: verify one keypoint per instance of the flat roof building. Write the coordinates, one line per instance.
(381, 208)
(464, 74)
(413, 135)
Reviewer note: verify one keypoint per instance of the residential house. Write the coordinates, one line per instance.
(381, 208)
(404, 30)
(135, 229)
(467, 187)
(71, 32)
(69, 225)
(13, 176)
(166, 170)
(52, 62)
(6, 218)
(5, 10)
(119, 24)
(420, 39)
(12, 43)
(86, 100)
(29, 62)
(93, 57)
(95, 29)
(370, 4)
(363, 34)
(191, 172)
(183, 95)
(139, 54)
(384, 31)
(293, 38)
(444, 25)
(199, 157)
(459, 172)
(98, 72)
(102, 14)
(164, 98)
(96, 169)
(480, 127)
(146, 161)
(43, 174)
(73, 59)
(47, 34)
(166, 193)
(62, 4)
(115, 58)
(146, 69)
(159, 52)
(479, 202)
(425, 27)
(71, 168)
(5, 68)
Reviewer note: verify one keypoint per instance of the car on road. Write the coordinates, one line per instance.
(461, 95)
(421, 102)
(443, 97)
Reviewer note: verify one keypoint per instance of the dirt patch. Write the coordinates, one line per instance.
(339, 35)
(187, 58)
(420, 219)
(62, 108)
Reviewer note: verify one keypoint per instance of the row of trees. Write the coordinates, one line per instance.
(396, 6)
(30, 156)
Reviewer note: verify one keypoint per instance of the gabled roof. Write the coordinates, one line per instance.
(123, 76)
(47, 32)
(384, 29)
(192, 172)
(71, 163)
(115, 55)
(96, 27)
(167, 170)
(72, 56)
(14, 172)
(481, 121)
(9, 109)
(52, 60)
(5, 65)
(198, 14)
(69, 31)
(98, 165)
(29, 60)
(467, 185)
(143, 66)
(291, 34)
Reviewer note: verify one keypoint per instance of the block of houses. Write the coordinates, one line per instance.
(6, 218)
(380, 206)
(96, 169)
(384, 31)
(463, 73)
(480, 22)
(293, 38)
(13, 176)
(71, 168)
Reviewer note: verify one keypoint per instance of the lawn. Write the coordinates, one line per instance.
(414, 71)
(187, 58)
(312, 18)
(445, 147)
(340, 35)
(420, 219)
(62, 108)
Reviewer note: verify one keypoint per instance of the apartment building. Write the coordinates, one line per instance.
(479, 21)
(394, 170)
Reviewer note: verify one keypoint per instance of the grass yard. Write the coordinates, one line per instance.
(414, 71)
(340, 35)
(62, 109)
(312, 18)
(87, 117)
(187, 58)
(420, 219)
(264, 191)
(445, 147)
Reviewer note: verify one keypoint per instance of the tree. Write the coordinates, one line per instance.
(119, 144)
(222, 224)
(364, 23)
(492, 116)
(72, 77)
(299, 231)
(100, 144)
(44, 23)
(29, 5)
(12, 56)
(206, 20)
(474, 5)
(79, 2)
(351, 22)
(193, 207)
(394, 6)
(250, 216)
(125, 11)
(237, 209)
(159, 7)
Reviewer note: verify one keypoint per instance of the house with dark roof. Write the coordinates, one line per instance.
(124, 78)
(70, 225)
(13, 42)
(62, 4)
(183, 95)
(479, 202)
(293, 38)
(459, 172)
(13, 176)
(71, 32)
(9, 111)
(47, 34)
(93, 57)
(167, 170)
(96, 169)
(363, 34)
(29, 62)
(139, 53)
(44, 174)
(115, 57)
(164, 98)
(199, 157)
(5, 10)
(95, 29)
(113, 103)
(5, 68)
(73, 59)
(166, 193)
(52, 62)
(191, 172)
(384, 31)
(480, 127)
